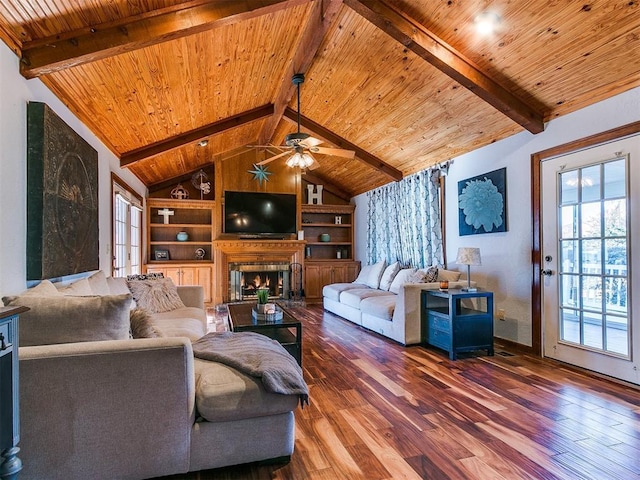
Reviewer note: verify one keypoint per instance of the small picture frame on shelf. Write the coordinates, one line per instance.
(161, 255)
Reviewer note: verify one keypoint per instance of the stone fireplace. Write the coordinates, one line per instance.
(246, 278)
(238, 263)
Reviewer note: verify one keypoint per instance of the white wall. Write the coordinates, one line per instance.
(15, 93)
(506, 257)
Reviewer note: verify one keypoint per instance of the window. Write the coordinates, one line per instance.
(127, 229)
(593, 248)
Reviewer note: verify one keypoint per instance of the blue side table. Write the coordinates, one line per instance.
(450, 323)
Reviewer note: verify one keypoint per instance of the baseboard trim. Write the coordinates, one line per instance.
(513, 346)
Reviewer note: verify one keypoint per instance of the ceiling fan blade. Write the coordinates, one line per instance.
(271, 159)
(312, 142)
(336, 152)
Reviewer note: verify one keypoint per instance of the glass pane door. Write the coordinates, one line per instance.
(593, 257)
(590, 220)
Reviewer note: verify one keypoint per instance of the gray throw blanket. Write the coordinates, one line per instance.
(258, 356)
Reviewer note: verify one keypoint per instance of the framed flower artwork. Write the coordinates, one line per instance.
(482, 203)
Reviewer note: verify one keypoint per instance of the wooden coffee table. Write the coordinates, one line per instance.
(288, 331)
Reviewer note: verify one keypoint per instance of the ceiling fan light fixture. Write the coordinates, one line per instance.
(302, 160)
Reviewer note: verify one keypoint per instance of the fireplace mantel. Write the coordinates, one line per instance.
(251, 251)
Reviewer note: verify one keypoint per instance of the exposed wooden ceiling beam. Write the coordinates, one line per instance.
(322, 15)
(329, 136)
(101, 41)
(193, 136)
(449, 61)
(327, 185)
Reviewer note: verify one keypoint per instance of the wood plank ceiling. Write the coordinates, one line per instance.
(406, 84)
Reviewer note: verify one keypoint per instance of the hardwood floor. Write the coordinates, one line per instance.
(382, 411)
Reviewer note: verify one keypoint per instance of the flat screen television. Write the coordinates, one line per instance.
(259, 214)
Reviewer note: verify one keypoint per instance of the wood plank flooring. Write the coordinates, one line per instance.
(382, 411)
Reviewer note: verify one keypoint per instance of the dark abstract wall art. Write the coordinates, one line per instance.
(62, 198)
(482, 203)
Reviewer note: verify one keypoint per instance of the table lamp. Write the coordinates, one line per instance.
(468, 256)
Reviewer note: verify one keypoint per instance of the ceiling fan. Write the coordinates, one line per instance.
(302, 144)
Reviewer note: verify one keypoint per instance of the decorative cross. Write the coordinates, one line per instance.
(166, 213)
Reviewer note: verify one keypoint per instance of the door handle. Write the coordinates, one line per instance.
(546, 272)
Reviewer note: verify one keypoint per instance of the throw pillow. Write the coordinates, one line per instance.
(145, 276)
(44, 289)
(156, 296)
(431, 275)
(68, 319)
(141, 326)
(79, 288)
(424, 275)
(401, 279)
(388, 275)
(118, 286)
(98, 283)
(364, 274)
(449, 275)
(416, 277)
(373, 280)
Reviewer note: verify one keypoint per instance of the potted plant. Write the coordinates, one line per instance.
(263, 298)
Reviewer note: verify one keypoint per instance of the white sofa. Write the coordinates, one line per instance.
(387, 299)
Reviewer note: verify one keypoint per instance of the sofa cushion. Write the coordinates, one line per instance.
(118, 286)
(450, 275)
(68, 319)
(334, 290)
(78, 288)
(156, 295)
(224, 394)
(98, 283)
(381, 306)
(354, 296)
(388, 275)
(141, 324)
(190, 322)
(422, 275)
(373, 279)
(364, 274)
(43, 289)
(400, 279)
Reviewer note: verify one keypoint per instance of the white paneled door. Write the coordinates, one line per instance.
(591, 223)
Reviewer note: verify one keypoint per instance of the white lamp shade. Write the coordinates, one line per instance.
(468, 256)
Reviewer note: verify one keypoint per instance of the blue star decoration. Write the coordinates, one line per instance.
(260, 173)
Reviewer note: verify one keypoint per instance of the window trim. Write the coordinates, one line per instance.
(135, 200)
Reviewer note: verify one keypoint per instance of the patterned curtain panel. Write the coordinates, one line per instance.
(404, 221)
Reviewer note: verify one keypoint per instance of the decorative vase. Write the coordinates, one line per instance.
(325, 237)
(260, 307)
(182, 236)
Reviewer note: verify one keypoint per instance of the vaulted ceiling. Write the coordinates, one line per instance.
(405, 84)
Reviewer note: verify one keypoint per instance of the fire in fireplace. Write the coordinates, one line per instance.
(246, 278)
(250, 282)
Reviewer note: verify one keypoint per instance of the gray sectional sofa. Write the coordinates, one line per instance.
(120, 408)
(386, 298)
